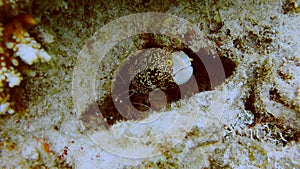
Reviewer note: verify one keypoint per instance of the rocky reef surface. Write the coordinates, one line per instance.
(251, 119)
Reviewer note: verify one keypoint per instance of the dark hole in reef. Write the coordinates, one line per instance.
(249, 102)
(141, 103)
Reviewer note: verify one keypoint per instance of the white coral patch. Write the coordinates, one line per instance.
(27, 53)
(4, 108)
(30, 153)
(44, 55)
(30, 53)
(13, 79)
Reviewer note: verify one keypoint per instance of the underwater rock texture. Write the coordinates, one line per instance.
(250, 120)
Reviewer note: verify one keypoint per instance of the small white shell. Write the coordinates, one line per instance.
(182, 68)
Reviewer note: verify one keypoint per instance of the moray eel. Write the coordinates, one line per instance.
(155, 68)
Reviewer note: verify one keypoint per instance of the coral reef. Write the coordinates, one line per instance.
(250, 121)
(17, 49)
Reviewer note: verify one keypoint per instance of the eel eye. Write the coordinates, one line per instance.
(182, 67)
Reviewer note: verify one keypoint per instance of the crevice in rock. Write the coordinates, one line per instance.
(140, 101)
